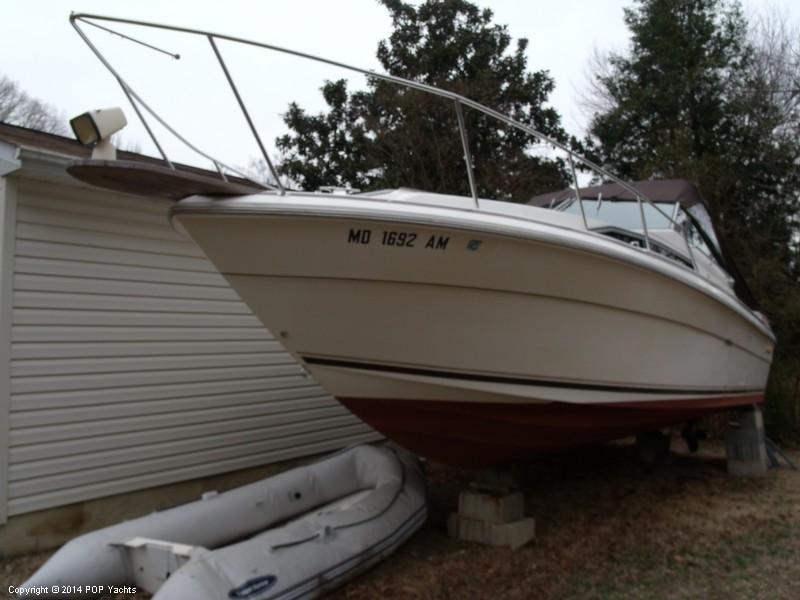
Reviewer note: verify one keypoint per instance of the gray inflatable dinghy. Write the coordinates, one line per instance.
(345, 513)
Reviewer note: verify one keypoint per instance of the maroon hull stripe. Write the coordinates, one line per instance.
(478, 434)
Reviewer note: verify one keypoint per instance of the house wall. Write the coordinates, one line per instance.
(8, 203)
(134, 364)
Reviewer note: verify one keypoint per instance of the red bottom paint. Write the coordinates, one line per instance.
(472, 434)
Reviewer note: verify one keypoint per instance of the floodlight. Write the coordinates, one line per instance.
(95, 128)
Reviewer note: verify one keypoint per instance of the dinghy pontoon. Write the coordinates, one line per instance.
(346, 513)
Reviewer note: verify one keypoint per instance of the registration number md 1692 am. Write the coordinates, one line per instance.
(399, 239)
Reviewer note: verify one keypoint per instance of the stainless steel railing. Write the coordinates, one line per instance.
(458, 100)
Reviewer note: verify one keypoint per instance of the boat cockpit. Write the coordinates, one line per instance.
(675, 224)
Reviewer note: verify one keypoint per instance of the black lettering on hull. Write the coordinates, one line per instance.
(359, 236)
(437, 242)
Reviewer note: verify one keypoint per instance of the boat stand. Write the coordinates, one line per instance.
(745, 443)
(492, 511)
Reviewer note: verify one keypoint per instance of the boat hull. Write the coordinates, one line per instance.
(477, 344)
(478, 434)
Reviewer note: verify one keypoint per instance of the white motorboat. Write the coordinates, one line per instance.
(476, 337)
(478, 332)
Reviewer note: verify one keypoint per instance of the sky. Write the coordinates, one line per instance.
(43, 53)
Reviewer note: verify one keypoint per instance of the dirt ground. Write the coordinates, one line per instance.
(608, 527)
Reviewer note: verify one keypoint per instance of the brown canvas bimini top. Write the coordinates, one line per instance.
(660, 190)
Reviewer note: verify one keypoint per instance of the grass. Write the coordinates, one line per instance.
(608, 528)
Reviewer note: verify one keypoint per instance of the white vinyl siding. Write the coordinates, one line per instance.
(134, 364)
(8, 205)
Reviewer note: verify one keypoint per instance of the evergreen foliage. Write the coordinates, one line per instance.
(390, 136)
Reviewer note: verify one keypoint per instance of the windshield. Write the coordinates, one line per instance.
(701, 216)
(696, 239)
(625, 214)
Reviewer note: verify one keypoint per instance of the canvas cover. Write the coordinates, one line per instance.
(660, 190)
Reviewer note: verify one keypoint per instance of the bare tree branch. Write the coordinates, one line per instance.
(776, 67)
(18, 108)
(595, 96)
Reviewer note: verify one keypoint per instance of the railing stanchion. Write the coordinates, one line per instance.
(272, 170)
(644, 222)
(577, 190)
(689, 246)
(220, 171)
(467, 158)
(145, 123)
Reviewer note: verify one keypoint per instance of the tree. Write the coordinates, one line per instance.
(18, 108)
(390, 136)
(702, 95)
(693, 98)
